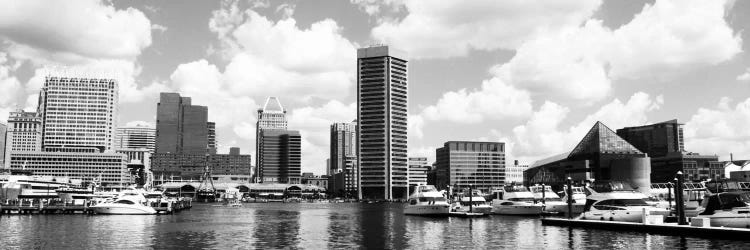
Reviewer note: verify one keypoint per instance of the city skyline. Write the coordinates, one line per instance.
(536, 84)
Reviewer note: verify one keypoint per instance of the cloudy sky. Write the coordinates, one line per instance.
(533, 74)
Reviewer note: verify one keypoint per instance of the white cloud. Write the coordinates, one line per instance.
(440, 29)
(10, 86)
(722, 130)
(140, 124)
(87, 28)
(744, 76)
(495, 100)
(160, 28)
(541, 135)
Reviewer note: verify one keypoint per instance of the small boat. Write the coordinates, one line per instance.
(727, 210)
(616, 201)
(426, 200)
(474, 204)
(128, 202)
(552, 203)
(515, 200)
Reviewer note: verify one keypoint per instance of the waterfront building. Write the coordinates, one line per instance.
(463, 163)
(664, 144)
(741, 167)
(24, 132)
(78, 114)
(279, 157)
(182, 137)
(312, 180)
(271, 116)
(109, 169)
(514, 173)
(418, 168)
(233, 163)
(136, 137)
(3, 132)
(343, 148)
(142, 155)
(600, 155)
(344, 183)
(211, 137)
(382, 78)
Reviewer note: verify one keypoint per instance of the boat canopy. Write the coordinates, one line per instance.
(726, 201)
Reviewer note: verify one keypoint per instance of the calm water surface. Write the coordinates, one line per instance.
(317, 226)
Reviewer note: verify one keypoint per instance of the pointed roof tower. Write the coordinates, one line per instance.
(273, 105)
(601, 139)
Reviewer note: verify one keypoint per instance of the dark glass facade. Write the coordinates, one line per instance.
(656, 140)
(462, 163)
(279, 156)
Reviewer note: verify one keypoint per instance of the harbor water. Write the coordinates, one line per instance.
(318, 226)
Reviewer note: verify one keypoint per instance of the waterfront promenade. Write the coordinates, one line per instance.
(320, 226)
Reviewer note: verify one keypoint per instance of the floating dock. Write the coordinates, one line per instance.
(37, 207)
(663, 229)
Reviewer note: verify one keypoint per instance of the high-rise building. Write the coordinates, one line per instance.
(418, 168)
(24, 132)
(271, 116)
(211, 137)
(657, 139)
(79, 114)
(279, 156)
(3, 132)
(180, 126)
(343, 144)
(464, 163)
(136, 137)
(382, 123)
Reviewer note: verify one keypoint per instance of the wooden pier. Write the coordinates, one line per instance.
(58, 207)
(663, 229)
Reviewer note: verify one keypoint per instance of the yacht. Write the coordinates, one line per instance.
(426, 200)
(474, 204)
(67, 194)
(727, 210)
(515, 200)
(128, 202)
(616, 201)
(552, 203)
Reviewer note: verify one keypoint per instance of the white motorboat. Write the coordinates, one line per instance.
(474, 204)
(515, 200)
(128, 202)
(426, 200)
(616, 202)
(552, 203)
(727, 210)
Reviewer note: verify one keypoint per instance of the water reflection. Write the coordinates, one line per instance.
(317, 226)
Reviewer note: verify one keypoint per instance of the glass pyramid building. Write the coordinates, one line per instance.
(601, 139)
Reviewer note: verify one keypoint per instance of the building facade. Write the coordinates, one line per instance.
(514, 173)
(657, 139)
(279, 156)
(136, 137)
(418, 168)
(461, 164)
(382, 103)
(211, 137)
(271, 116)
(24, 133)
(233, 163)
(180, 126)
(343, 144)
(78, 114)
(3, 133)
(107, 169)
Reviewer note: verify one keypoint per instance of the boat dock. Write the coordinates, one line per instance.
(35, 206)
(657, 228)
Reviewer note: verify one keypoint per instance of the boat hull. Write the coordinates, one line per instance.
(517, 209)
(135, 210)
(427, 210)
(562, 208)
(728, 220)
(635, 215)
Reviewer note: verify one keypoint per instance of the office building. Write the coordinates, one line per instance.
(24, 132)
(514, 173)
(136, 137)
(343, 144)
(664, 144)
(211, 137)
(344, 183)
(3, 132)
(271, 116)
(78, 114)
(382, 123)
(233, 163)
(418, 168)
(279, 157)
(182, 137)
(109, 169)
(600, 155)
(461, 164)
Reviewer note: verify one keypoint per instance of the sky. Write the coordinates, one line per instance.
(535, 75)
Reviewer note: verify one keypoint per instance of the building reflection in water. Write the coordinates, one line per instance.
(343, 229)
(312, 227)
(276, 228)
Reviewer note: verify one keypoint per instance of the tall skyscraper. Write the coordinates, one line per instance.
(382, 116)
(211, 137)
(3, 132)
(343, 145)
(79, 114)
(182, 137)
(271, 116)
(464, 163)
(280, 156)
(24, 133)
(180, 126)
(136, 137)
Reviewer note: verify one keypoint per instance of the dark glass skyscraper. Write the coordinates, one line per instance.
(463, 163)
(382, 117)
(657, 139)
(279, 156)
(182, 136)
